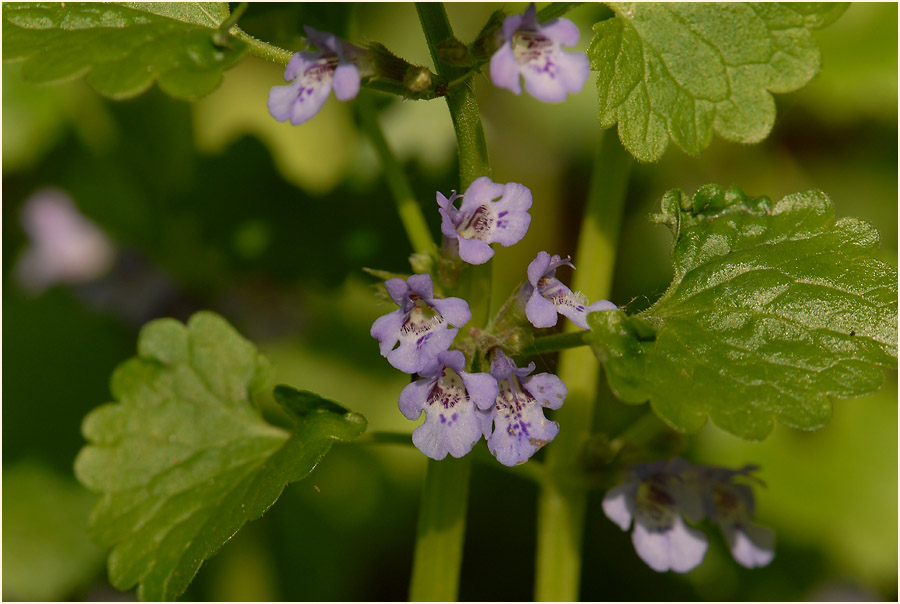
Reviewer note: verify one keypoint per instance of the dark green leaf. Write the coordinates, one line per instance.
(774, 310)
(184, 459)
(122, 48)
(681, 71)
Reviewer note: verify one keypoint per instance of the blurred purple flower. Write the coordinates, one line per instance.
(731, 505)
(65, 247)
(490, 213)
(314, 74)
(655, 498)
(454, 403)
(532, 51)
(519, 425)
(546, 295)
(421, 326)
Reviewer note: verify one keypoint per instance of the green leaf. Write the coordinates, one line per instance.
(184, 459)
(684, 70)
(122, 48)
(774, 310)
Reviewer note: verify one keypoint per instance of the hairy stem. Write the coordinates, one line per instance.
(263, 50)
(407, 207)
(561, 505)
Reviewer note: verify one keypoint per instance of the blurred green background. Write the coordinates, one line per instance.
(216, 205)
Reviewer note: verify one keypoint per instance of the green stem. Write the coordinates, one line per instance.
(562, 504)
(261, 49)
(442, 517)
(220, 38)
(441, 530)
(555, 343)
(407, 207)
(472, 148)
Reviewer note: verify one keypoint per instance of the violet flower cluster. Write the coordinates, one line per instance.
(659, 496)
(528, 50)
(505, 405)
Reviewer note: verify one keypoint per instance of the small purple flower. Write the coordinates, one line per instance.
(519, 425)
(412, 337)
(454, 403)
(314, 74)
(730, 505)
(655, 499)
(532, 51)
(490, 213)
(547, 296)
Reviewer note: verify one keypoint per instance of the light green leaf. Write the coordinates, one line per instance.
(680, 71)
(122, 48)
(184, 459)
(774, 310)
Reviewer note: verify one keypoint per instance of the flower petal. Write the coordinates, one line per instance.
(482, 388)
(680, 548)
(561, 31)
(540, 311)
(575, 68)
(474, 251)
(413, 397)
(538, 267)
(454, 431)
(386, 329)
(309, 100)
(547, 389)
(281, 101)
(454, 310)
(422, 285)
(544, 80)
(512, 214)
(751, 545)
(346, 82)
(618, 505)
(505, 72)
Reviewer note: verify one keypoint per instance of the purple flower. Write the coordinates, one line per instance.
(314, 74)
(451, 399)
(490, 213)
(414, 335)
(731, 506)
(655, 498)
(65, 246)
(519, 425)
(547, 296)
(532, 51)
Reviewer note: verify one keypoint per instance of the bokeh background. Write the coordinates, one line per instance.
(215, 205)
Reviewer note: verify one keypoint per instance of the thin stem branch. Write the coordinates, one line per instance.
(555, 343)
(561, 505)
(407, 207)
(263, 50)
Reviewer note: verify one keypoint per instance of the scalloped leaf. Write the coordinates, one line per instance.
(774, 310)
(122, 48)
(682, 71)
(184, 459)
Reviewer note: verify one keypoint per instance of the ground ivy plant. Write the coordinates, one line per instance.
(776, 309)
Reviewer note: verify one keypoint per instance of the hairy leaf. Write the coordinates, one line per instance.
(122, 48)
(184, 459)
(683, 70)
(774, 310)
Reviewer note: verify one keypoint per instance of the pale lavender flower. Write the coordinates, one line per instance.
(517, 426)
(532, 51)
(314, 75)
(65, 247)
(454, 402)
(546, 295)
(731, 505)
(655, 498)
(490, 213)
(412, 337)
